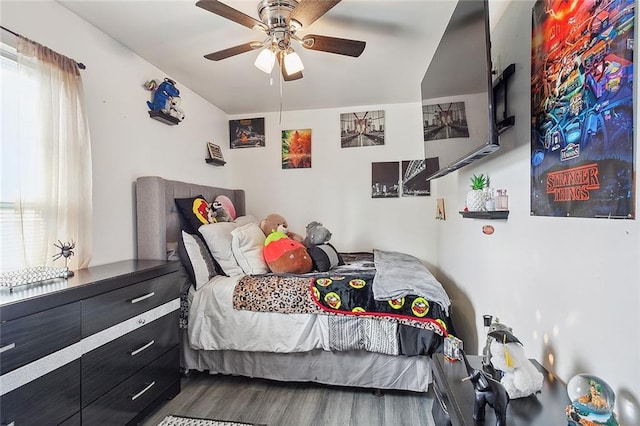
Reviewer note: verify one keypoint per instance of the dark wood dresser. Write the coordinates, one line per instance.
(454, 400)
(98, 348)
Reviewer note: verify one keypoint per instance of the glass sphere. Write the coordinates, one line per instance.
(590, 394)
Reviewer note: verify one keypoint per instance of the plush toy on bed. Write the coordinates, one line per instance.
(316, 234)
(275, 222)
(285, 255)
(219, 213)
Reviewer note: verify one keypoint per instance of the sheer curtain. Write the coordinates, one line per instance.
(53, 197)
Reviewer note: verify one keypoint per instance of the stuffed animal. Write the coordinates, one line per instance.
(174, 108)
(219, 213)
(316, 234)
(161, 96)
(519, 377)
(275, 222)
(285, 255)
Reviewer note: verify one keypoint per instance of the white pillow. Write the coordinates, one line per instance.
(218, 239)
(243, 220)
(199, 258)
(247, 244)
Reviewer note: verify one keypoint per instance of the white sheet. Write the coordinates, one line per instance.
(215, 325)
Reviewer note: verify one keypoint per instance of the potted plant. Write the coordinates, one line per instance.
(476, 197)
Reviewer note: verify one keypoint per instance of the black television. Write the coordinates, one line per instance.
(458, 105)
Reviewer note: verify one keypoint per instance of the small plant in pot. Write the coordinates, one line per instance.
(476, 197)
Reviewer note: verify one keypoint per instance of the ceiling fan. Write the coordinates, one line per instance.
(280, 20)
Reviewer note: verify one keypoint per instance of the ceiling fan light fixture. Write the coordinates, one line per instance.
(292, 62)
(265, 60)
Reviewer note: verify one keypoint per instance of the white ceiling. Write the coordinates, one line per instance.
(174, 35)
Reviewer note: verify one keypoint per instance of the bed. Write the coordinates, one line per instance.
(236, 350)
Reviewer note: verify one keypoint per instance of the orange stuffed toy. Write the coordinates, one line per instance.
(285, 255)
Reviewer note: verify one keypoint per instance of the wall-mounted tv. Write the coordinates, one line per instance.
(457, 93)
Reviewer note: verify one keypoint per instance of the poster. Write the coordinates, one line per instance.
(362, 129)
(246, 133)
(582, 154)
(296, 149)
(414, 182)
(385, 179)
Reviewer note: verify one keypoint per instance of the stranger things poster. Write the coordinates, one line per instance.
(582, 159)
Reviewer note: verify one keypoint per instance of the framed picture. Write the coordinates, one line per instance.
(215, 153)
(385, 179)
(296, 149)
(414, 182)
(445, 121)
(362, 129)
(246, 133)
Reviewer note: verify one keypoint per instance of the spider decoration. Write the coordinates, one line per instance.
(66, 251)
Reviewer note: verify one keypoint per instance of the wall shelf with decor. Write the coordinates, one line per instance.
(164, 117)
(215, 161)
(498, 214)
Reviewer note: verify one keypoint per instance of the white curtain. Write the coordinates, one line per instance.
(54, 198)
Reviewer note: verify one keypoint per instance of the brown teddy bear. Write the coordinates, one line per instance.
(275, 222)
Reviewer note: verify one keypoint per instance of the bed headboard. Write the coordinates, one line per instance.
(158, 225)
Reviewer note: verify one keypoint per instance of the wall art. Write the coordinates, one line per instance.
(296, 149)
(385, 179)
(445, 121)
(582, 141)
(246, 133)
(362, 129)
(414, 181)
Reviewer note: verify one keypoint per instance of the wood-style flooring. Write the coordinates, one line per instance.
(292, 404)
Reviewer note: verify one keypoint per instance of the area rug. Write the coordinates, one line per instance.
(172, 420)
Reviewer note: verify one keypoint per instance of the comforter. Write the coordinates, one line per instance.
(298, 313)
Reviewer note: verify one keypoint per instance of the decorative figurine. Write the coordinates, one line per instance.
(66, 251)
(592, 401)
(487, 391)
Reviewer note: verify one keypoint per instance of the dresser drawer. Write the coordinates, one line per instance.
(103, 311)
(108, 365)
(124, 402)
(26, 339)
(48, 400)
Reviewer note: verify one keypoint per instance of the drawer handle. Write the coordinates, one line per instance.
(7, 347)
(141, 298)
(139, 394)
(137, 351)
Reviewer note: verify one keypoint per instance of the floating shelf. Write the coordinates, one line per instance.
(498, 214)
(164, 117)
(215, 161)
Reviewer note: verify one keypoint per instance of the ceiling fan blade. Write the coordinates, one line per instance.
(308, 11)
(228, 12)
(341, 46)
(235, 50)
(296, 76)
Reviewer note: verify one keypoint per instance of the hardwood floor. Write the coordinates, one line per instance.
(292, 404)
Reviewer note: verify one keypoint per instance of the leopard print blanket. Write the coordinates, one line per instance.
(293, 295)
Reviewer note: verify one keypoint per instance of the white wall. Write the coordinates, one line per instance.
(569, 287)
(125, 142)
(336, 190)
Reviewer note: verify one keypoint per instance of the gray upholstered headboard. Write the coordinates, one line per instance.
(158, 225)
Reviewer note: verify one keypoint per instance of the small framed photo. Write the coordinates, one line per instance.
(215, 153)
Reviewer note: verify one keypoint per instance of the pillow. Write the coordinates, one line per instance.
(199, 263)
(247, 244)
(218, 239)
(243, 220)
(194, 212)
(324, 257)
(227, 204)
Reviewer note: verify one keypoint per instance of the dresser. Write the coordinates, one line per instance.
(98, 348)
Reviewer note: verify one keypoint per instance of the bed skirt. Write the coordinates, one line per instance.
(352, 368)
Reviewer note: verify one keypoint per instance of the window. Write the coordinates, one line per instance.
(14, 110)
(44, 152)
